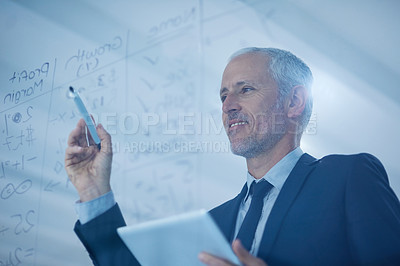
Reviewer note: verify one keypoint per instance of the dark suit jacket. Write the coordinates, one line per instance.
(339, 210)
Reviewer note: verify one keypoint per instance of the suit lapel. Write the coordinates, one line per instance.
(226, 214)
(285, 199)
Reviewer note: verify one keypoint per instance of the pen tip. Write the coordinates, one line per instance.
(71, 89)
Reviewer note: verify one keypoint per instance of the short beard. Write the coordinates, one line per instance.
(266, 136)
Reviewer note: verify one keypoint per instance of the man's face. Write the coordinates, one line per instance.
(253, 118)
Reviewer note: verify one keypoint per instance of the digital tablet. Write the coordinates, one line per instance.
(176, 240)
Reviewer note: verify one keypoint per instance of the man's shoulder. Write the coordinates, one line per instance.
(353, 166)
(362, 155)
(349, 159)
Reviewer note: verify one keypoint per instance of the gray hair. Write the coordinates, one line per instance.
(288, 71)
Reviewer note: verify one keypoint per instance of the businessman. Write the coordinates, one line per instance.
(292, 210)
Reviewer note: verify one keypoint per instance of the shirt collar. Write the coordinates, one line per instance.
(278, 174)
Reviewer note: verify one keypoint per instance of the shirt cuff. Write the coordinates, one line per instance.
(89, 210)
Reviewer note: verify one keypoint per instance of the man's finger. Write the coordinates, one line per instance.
(244, 256)
(211, 260)
(76, 154)
(78, 135)
(105, 139)
(239, 250)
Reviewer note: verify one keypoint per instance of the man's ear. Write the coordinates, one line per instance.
(297, 101)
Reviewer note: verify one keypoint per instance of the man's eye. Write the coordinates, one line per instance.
(223, 98)
(246, 89)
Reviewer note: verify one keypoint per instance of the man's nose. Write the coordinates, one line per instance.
(231, 104)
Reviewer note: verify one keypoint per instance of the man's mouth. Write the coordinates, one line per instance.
(236, 123)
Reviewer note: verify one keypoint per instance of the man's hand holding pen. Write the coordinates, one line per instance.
(89, 168)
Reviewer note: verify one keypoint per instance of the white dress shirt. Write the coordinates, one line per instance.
(276, 176)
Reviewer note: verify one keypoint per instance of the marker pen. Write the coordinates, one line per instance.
(85, 115)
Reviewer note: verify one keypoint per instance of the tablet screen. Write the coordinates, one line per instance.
(176, 240)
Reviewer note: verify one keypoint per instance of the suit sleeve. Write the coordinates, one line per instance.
(373, 214)
(101, 240)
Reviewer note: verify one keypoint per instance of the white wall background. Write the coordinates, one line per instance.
(150, 71)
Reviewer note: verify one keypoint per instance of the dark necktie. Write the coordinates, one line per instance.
(248, 229)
